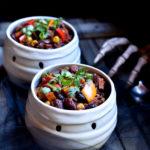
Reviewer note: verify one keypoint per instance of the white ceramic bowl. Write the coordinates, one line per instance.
(23, 62)
(54, 128)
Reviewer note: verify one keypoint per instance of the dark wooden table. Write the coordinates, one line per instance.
(133, 127)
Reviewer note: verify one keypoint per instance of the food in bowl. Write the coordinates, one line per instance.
(51, 127)
(73, 88)
(43, 33)
(27, 61)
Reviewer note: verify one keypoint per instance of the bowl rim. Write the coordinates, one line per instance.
(73, 112)
(19, 21)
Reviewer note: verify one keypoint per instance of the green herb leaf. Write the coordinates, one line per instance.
(56, 89)
(89, 81)
(66, 82)
(66, 73)
(28, 33)
(43, 21)
(89, 76)
(72, 91)
(81, 71)
(30, 28)
(57, 22)
(47, 20)
(53, 81)
(24, 30)
(43, 35)
(57, 74)
(76, 82)
(46, 74)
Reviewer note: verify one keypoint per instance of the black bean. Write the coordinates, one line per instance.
(13, 36)
(40, 44)
(58, 103)
(60, 96)
(92, 105)
(34, 35)
(48, 46)
(98, 92)
(82, 86)
(56, 92)
(70, 104)
(80, 97)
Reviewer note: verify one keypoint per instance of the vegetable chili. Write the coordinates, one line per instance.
(43, 33)
(73, 88)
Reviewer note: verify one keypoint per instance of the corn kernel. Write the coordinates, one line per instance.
(80, 106)
(34, 42)
(50, 23)
(30, 39)
(103, 99)
(56, 39)
(47, 102)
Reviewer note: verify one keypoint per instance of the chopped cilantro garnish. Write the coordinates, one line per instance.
(72, 91)
(57, 22)
(46, 74)
(53, 81)
(28, 30)
(56, 89)
(89, 76)
(89, 81)
(81, 71)
(66, 73)
(57, 74)
(43, 21)
(76, 82)
(66, 82)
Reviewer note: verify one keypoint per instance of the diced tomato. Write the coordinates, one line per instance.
(22, 38)
(52, 74)
(61, 33)
(30, 22)
(82, 80)
(46, 85)
(46, 79)
(18, 34)
(56, 85)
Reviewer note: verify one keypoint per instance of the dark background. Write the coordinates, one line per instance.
(132, 17)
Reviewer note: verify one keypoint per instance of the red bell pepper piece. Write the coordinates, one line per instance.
(61, 33)
(18, 34)
(30, 22)
(46, 79)
(46, 85)
(56, 85)
(22, 38)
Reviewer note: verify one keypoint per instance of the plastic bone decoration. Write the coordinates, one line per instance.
(112, 43)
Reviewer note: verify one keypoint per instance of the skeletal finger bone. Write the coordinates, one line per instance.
(122, 59)
(109, 45)
(141, 62)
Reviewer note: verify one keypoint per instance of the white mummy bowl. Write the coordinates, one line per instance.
(22, 62)
(54, 128)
